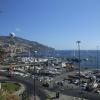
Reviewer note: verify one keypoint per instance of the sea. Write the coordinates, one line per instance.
(92, 56)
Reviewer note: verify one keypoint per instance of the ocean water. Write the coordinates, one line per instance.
(90, 55)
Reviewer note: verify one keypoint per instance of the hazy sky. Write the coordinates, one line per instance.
(56, 23)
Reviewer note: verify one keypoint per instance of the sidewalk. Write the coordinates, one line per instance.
(32, 98)
(21, 90)
(52, 96)
(18, 93)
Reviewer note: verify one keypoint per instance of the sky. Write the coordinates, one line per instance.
(55, 23)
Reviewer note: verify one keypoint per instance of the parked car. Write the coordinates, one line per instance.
(97, 91)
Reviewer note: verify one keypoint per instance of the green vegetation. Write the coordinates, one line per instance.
(10, 87)
(2, 54)
(7, 91)
(48, 97)
(25, 96)
(4, 95)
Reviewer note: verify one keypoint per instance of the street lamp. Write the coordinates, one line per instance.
(34, 74)
(11, 42)
(78, 44)
(97, 58)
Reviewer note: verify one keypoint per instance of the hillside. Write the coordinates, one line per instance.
(25, 44)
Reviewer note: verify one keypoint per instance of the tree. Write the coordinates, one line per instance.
(2, 53)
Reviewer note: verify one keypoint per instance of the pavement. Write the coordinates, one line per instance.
(66, 94)
(36, 98)
(52, 96)
(19, 92)
(22, 89)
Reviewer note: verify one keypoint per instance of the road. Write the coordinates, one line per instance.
(28, 82)
(84, 94)
(75, 92)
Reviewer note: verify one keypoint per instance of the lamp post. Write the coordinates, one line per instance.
(78, 44)
(97, 58)
(34, 74)
(11, 42)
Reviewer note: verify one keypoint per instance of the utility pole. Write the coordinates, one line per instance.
(34, 74)
(11, 42)
(97, 58)
(78, 44)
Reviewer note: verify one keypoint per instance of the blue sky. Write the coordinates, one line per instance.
(56, 23)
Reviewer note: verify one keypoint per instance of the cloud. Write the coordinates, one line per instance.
(18, 29)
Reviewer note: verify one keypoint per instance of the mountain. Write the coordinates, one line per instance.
(24, 44)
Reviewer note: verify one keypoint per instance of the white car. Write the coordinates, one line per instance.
(97, 91)
(16, 73)
(3, 70)
(95, 85)
(21, 74)
(83, 86)
(25, 75)
(76, 81)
